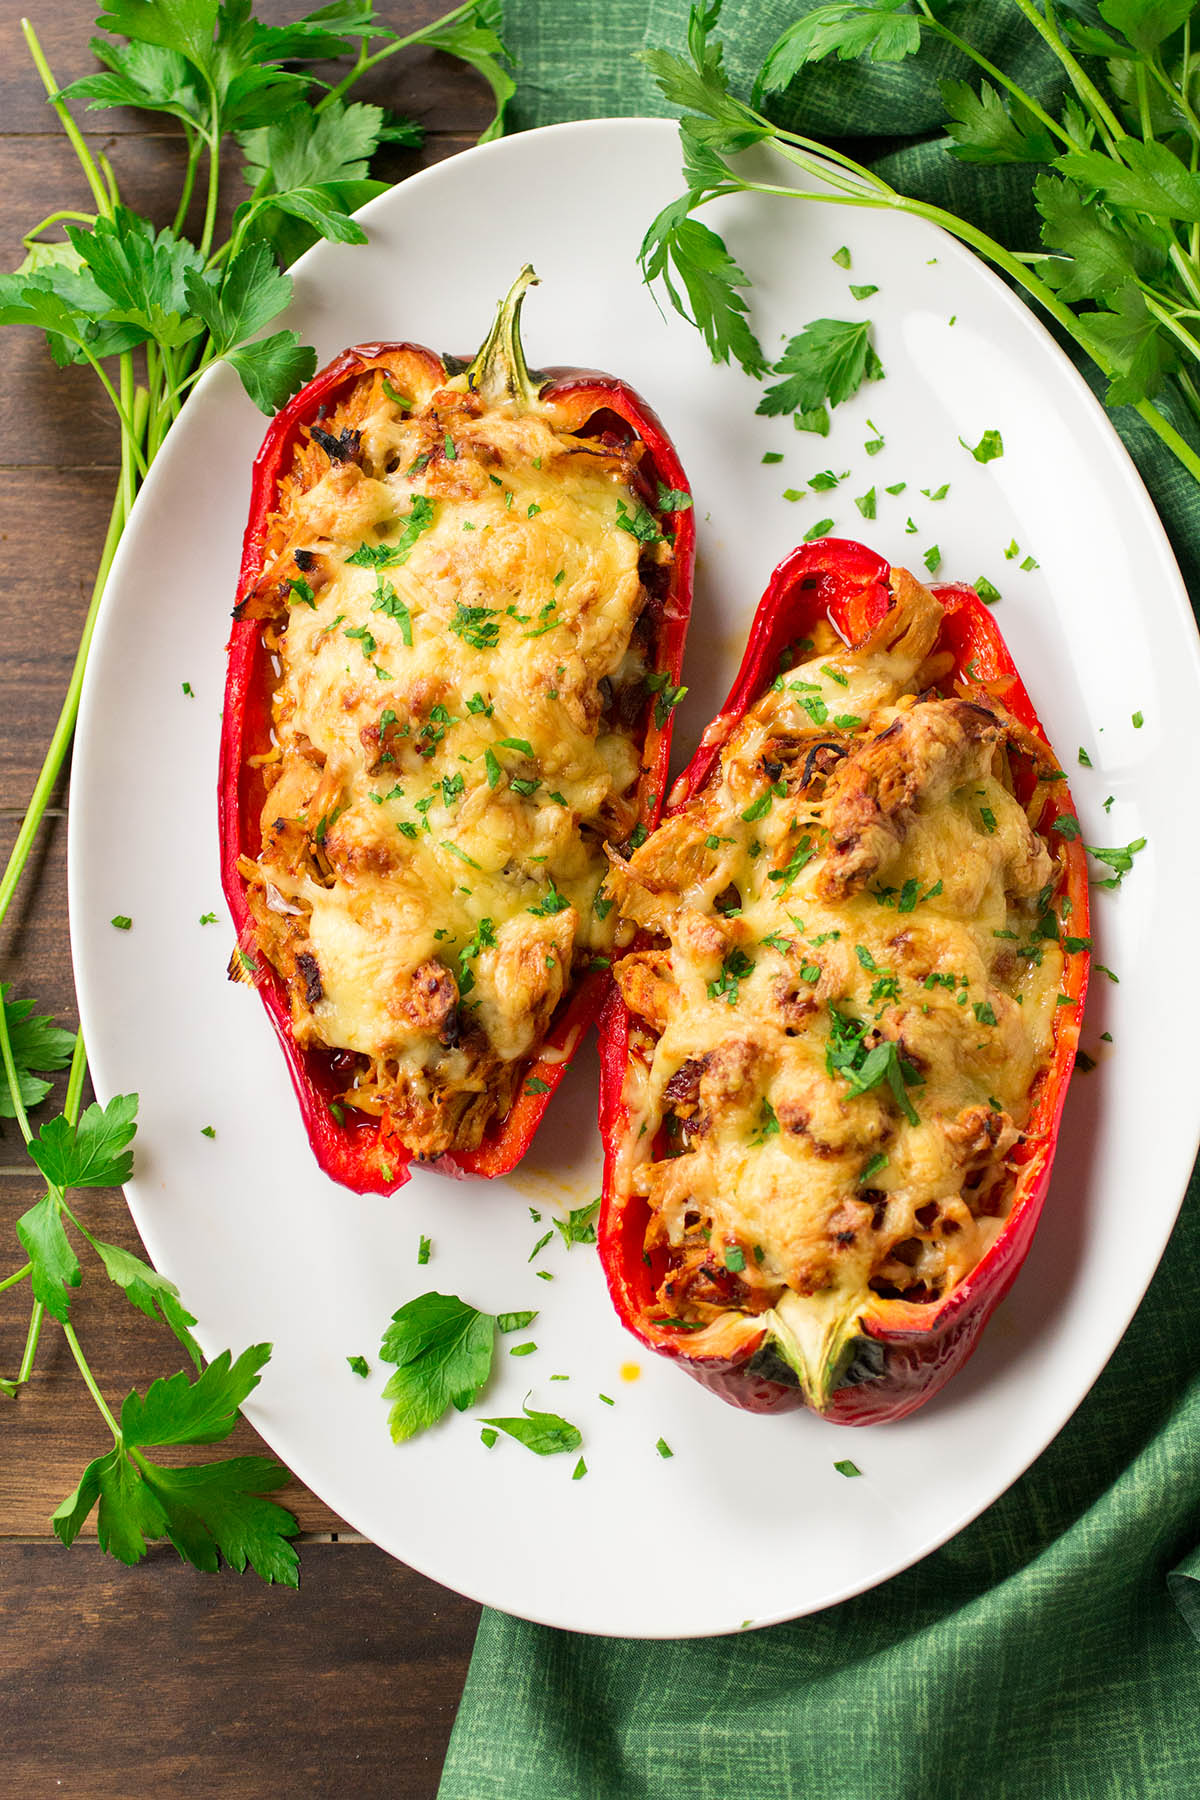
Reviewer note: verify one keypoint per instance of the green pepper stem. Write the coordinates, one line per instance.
(499, 372)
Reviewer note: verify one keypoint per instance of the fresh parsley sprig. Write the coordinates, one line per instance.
(148, 310)
(1113, 178)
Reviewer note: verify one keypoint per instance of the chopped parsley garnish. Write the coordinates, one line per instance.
(639, 523)
(986, 590)
(820, 529)
(835, 675)
(847, 1055)
(601, 904)
(773, 456)
(822, 482)
(989, 447)
(1066, 826)
(667, 697)
(937, 493)
(579, 1226)
(847, 1468)
(535, 1085)
(866, 503)
(768, 1127)
(877, 1163)
(302, 591)
(1102, 970)
(423, 1250)
(664, 1449)
(803, 853)
(734, 970)
(478, 626)
(554, 902)
(388, 601)
(983, 1012)
(122, 921)
(456, 850)
(932, 559)
(987, 819)
(1138, 721)
(673, 499)
(1119, 859)
(484, 939)
(735, 1256)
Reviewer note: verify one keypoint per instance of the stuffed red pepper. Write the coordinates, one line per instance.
(461, 613)
(835, 1061)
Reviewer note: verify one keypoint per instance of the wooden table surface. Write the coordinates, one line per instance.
(118, 1683)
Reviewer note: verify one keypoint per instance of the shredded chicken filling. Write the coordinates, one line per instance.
(461, 635)
(848, 989)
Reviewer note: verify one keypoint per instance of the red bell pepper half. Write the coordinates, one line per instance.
(905, 1351)
(357, 1150)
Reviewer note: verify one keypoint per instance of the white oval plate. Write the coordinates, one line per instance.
(748, 1522)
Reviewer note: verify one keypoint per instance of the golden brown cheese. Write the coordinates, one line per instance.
(847, 1001)
(455, 673)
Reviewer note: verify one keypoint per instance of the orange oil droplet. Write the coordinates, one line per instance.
(630, 1371)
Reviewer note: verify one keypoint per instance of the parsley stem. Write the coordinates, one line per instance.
(1170, 320)
(1107, 121)
(89, 1380)
(54, 218)
(1184, 268)
(365, 62)
(37, 1313)
(19, 1275)
(195, 145)
(74, 135)
(11, 1076)
(989, 68)
(76, 1076)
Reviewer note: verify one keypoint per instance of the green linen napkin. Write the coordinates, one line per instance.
(1045, 1652)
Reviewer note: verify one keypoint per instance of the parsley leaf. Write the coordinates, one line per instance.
(827, 362)
(546, 1434)
(37, 1043)
(442, 1349)
(91, 1153)
(214, 1510)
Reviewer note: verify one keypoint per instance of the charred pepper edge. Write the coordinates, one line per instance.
(918, 1355)
(356, 1152)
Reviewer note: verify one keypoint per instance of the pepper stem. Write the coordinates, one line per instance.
(499, 372)
(813, 1333)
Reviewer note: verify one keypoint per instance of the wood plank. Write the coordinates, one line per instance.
(422, 84)
(179, 1684)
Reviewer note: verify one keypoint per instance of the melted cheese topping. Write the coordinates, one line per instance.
(853, 1000)
(450, 766)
